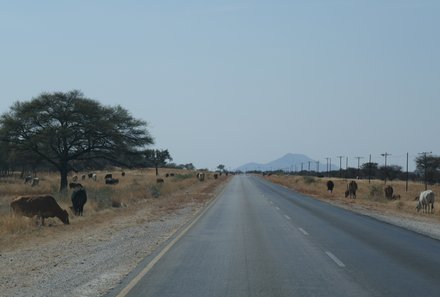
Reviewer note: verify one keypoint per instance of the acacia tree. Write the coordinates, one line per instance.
(158, 158)
(63, 127)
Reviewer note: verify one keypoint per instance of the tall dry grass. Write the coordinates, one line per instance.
(138, 188)
(369, 195)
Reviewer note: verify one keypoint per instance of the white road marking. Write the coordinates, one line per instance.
(335, 259)
(303, 231)
(277, 208)
(287, 217)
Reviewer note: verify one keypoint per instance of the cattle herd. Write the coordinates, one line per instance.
(45, 206)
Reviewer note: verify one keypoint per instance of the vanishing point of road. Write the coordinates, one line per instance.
(261, 239)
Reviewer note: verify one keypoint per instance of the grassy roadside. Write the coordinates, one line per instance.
(369, 195)
(136, 191)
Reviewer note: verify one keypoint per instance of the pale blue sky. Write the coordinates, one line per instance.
(238, 81)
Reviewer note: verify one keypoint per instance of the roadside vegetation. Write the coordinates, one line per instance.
(369, 195)
(137, 189)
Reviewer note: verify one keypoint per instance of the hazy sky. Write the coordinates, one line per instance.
(230, 82)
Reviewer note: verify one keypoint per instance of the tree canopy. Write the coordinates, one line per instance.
(63, 127)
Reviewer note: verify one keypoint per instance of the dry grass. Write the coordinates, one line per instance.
(138, 189)
(369, 195)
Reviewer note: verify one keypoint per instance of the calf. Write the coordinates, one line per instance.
(79, 198)
(42, 206)
(426, 201)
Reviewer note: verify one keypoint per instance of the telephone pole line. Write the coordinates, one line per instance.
(340, 165)
(385, 168)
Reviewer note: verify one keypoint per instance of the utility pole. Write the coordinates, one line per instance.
(340, 165)
(385, 155)
(302, 163)
(317, 167)
(407, 172)
(328, 175)
(309, 165)
(358, 158)
(425, 165)
(369, 170)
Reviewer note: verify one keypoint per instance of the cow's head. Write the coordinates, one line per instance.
(65, 217)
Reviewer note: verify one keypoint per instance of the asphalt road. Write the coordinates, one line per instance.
(260, 239)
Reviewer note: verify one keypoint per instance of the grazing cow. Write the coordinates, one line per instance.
(108, 175)
(79, 198)
(426, 201)
(388, 190)
(167, 174)
(111, 181)
(75, 178)
(160, 180)
(75, 185)
(123, 173)
(330, 186)
(42, 206)
(201, 176)
(172, 174)
(83, 177)
(28, 179)
(90, 175)
(94, 176)
(35, 181)
(215, 175)
(351, 190)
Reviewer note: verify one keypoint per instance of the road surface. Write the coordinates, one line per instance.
(261, 239)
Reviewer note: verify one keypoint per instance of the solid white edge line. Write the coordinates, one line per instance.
(287, 217)
(335, 259)
(277, 208)
(303, 231)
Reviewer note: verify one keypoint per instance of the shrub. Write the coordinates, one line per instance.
(309, 180)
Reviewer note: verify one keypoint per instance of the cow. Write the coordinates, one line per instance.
(42, 206)
(78, 198)
(123, 173)
(83, 177)
(215, 175)
(90, 175)
(351, 190)
(426, 201)
(201, 176)
(388, 190)
(75, 178)
(75, 185)
(330, 186)
(94, 176)
(28, 179)
(108, 175)
(35, 181)
(111, 181)
(160, 180)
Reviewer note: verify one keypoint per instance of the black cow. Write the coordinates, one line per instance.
(330, 186)
(79, 198)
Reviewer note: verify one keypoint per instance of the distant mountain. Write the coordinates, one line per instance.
(289, 162)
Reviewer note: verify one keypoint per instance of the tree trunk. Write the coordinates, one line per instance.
(63, 172)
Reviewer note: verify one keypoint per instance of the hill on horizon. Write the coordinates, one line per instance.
(288, 162)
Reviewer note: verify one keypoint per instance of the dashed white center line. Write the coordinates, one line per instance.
(277, 208)
(303, 231)
(335, 259)
(287, 217)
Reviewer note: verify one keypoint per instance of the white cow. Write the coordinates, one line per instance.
(426, 201)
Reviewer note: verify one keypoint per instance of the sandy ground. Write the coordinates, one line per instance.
(89, 262)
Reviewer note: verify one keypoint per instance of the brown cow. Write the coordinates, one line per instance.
(42, 206)
(388, 190)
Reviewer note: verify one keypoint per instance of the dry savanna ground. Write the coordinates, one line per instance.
(369, 195)
(137, 189)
